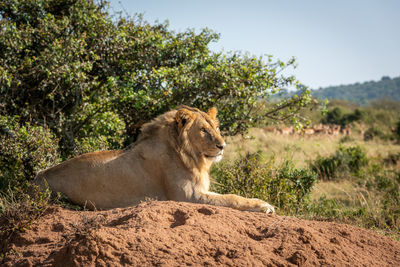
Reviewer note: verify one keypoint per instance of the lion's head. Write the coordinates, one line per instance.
(199, 133)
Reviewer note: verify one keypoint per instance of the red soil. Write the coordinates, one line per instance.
(177, 234)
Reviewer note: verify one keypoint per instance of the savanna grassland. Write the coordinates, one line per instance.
(76, 79)
(351, 177)
(302, 149)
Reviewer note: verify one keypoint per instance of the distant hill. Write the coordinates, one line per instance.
(362, 93)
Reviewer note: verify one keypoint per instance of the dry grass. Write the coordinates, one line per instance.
(18, 210)
(300, 149)
(347, 199)
(346, 192)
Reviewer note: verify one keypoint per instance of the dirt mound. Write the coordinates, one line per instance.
(177, 234)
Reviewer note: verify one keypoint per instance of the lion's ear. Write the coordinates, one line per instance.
(183, 117)
(212, 112)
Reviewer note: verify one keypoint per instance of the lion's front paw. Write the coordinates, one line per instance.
(262, 206)
(267, 208)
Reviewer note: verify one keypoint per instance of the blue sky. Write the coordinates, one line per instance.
(335, 42)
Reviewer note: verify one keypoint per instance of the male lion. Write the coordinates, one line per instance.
(170, 161)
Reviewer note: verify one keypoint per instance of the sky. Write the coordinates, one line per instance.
(335, 42)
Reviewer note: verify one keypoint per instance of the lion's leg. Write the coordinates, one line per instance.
(235, 201)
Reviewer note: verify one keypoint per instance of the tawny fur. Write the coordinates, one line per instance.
(170, 161)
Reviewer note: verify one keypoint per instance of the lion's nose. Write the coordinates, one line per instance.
(221, 146)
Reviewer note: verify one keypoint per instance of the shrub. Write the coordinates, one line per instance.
(69, 64)
(345, 160)
(105, 131)
(333, 116)
(24, 151)
(354, 157)
(337, 116)
(285, 187)
(326, 167)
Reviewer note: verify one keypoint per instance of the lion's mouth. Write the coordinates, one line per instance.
(219, 154)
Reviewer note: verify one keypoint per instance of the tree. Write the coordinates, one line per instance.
(94, 79)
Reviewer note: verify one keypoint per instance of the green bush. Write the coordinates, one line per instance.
(285, 187)
(24, 151)
(333, 116)
(345, 160)
(105, 131)
(354, 157)
(339, 117)
(326, 167)
(70, 65)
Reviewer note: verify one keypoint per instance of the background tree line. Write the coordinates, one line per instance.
(363, 93)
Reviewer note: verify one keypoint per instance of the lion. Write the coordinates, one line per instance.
(170, 160)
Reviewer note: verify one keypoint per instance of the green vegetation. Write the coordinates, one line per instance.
(93, 79)
(357, 181)
(346, 184)
(337, 116)
(369, 199)
(357, 174)
(362, 93)
(249, 176)
(24, 151)
(345, 161)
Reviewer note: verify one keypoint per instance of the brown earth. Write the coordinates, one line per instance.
(177, 234)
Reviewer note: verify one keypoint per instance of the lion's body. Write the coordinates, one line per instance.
(169, 161)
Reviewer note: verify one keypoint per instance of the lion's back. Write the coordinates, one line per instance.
(66, 175)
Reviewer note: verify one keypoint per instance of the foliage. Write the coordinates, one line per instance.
(94, 79)
(337, 116)
(345, 160)
(362, 93)
(24, 150)
(362, 191)
(285, 187)
(334, 116)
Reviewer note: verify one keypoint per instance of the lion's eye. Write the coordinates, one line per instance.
(204, 130)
